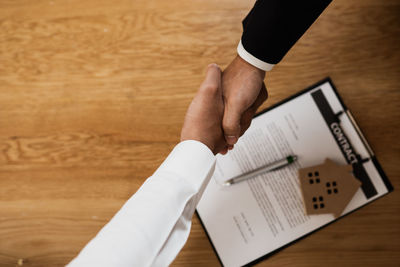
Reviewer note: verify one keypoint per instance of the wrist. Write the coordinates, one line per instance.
(250, 68)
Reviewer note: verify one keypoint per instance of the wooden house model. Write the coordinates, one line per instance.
(327, 188)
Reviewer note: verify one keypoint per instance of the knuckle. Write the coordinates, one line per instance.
(237, 101)
(229, 127)
(210, 88)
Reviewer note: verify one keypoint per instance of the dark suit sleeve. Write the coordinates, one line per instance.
(272, 27)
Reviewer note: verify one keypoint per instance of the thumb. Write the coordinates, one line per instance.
(213, 77)
(231, 124)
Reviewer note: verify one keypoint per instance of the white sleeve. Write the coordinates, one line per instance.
(249, 58)
(153, 225)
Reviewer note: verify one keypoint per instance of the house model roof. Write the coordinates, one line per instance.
(327, 188)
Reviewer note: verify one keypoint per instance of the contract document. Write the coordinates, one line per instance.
(247, 221)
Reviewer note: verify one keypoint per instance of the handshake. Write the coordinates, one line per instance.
(224, 105)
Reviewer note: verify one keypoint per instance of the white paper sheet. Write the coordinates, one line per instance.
(251, 219)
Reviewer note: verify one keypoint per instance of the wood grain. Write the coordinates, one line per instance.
(93, 95)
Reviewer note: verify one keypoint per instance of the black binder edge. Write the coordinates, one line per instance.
(385, 179)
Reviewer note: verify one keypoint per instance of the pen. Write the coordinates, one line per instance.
(266, 168)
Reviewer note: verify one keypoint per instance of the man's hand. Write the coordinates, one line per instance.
(203, 121)
(243, 91)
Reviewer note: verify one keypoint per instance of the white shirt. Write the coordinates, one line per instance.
(153, 225)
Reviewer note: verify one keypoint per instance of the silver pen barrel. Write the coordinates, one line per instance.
(270, 167)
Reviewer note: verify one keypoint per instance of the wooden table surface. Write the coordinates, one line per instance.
(93, 95)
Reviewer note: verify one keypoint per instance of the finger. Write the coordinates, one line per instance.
(262, 96)
(247, 117)
(231, 124)
(213, 78)
(224, 151)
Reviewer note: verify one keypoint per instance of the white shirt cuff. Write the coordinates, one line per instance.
(189, 159)
(249, 58)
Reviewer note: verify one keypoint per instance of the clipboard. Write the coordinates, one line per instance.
(339, 135)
